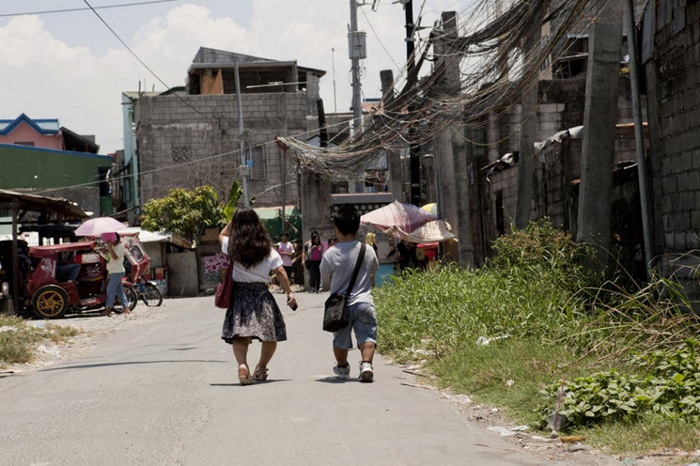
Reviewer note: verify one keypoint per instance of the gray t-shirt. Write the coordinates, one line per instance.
(338, 263)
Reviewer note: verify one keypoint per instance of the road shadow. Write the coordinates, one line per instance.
(94, 366)
(333, 379)
(259, 382)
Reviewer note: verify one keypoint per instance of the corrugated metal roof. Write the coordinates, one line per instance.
(44, 126)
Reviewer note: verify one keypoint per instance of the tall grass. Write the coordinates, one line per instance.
(540, 284)
(530, 289)
(546, 312)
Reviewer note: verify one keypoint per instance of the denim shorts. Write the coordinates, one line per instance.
(363, 319)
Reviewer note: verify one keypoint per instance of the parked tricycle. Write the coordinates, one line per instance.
(73, 277)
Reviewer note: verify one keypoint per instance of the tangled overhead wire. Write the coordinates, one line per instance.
(494, 71)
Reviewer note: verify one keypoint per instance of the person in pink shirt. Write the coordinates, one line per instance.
(286, 250)
(313, 253)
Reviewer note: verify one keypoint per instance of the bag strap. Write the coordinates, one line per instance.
(358, 264)
(229, 271)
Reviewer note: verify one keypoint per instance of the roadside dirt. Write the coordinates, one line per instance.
(92, 327)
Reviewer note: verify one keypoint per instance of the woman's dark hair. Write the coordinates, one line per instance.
(249, 243)
(315, 239)
(346, 220)
(118, 237)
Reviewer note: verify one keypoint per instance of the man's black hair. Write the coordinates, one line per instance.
(347, 220)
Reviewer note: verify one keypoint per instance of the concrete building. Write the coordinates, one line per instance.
(496, 137)
(127, 161)
(191, 139)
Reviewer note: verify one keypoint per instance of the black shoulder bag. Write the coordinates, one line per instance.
(335, 314)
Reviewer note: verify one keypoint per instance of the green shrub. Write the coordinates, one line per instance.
(668, 385)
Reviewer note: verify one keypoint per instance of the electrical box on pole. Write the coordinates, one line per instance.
(357, 45)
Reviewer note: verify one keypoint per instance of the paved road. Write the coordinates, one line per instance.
(162, 390)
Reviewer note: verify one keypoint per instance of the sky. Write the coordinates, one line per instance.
(70, 66)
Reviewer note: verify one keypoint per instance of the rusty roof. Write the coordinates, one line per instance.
(64, 208)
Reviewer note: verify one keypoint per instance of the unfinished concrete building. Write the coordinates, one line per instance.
(189, 139)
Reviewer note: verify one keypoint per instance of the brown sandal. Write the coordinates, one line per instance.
(260, 373)
(244, 375)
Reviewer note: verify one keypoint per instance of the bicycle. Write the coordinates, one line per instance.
(148, 292)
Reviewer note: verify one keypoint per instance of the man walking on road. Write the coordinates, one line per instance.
(338, 265)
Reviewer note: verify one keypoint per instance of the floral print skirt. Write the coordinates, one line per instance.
(253, 313)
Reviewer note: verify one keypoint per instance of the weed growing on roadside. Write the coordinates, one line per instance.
(19, 339)
(668, 384)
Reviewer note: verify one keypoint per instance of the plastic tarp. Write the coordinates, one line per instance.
(156, 237)
(436, 231)
(405, 217)
(271, 217)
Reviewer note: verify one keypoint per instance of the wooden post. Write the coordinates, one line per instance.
(15, 258)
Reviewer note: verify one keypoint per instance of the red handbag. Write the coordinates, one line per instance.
(222, 298)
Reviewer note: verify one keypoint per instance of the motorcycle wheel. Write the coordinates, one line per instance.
(151, 295)
(50, 302)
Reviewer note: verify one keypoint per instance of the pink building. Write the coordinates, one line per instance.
(24, 131)
(45, 133)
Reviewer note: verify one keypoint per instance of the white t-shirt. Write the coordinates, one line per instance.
(286, 247)
(116, 265)
(338, 264)
(257, 273)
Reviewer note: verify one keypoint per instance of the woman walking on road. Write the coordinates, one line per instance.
(253, 313)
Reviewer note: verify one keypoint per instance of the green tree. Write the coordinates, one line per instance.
(184, 212)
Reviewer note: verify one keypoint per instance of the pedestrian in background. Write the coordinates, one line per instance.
(286, 250)
(253, 313)
(371, 241)
(338, 265)
(115, 269)
(313, 253)
(332, 242)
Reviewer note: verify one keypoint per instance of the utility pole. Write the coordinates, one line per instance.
(335, 102)
(414, 159)
(357, 51)
(599, 120)
(393, 156)
(462, 198)
(639, 136)
(453, 165)
(243, 169)
(528, 124)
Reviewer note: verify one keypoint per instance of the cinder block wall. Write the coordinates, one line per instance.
(192, 140)
(673, 86)
(561, 106)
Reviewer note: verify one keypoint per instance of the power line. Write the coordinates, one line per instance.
(139, 59)
(369, 23)
(71, 10)
(125, 45)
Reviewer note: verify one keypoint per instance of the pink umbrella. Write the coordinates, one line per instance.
(97, 226)
(405, 216)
